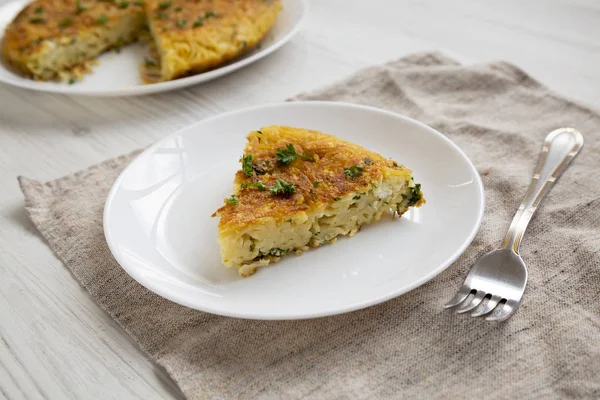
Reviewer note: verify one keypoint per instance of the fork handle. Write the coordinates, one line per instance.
(560, 147)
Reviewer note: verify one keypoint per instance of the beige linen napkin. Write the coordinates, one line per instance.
(408, 347)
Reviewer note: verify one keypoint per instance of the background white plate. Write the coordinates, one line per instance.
(157, 217)
(118, 74)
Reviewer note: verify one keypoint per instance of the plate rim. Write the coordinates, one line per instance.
(160, 87)
(181, 300)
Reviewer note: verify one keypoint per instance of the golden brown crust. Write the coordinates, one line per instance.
(197, 35)
(318, 181)
(47, 20)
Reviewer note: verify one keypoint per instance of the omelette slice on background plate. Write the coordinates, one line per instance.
(198, 35)
(300, 188)
(52, 39)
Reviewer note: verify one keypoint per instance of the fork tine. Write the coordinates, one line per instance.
(490, 305)
(459, 297)
(473, 303)
(505, 312)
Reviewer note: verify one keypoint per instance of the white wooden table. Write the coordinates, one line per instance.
(55, 342)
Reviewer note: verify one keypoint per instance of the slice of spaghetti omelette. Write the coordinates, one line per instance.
(300, 188)
(198, 35)
(52, 39)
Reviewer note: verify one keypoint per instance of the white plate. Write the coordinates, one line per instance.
(118, 74)
(158, 226)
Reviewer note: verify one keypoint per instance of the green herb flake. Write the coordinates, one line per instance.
(39, 10)
(150, 62)
(65, 22)
(102, 19)
(138, 2)
(161, 15)
(259, 131)
(287, 155)
(178, 9)
(37, 20)
(198, 22)
(181, 23)
(165, 4)
(247, 165)
(356, 197)
(259, 46)
(71, 81)
(209, 14)
(395, 164)
(80, 7)
(415, 195)
(275, 252)
(281, 187)
(312, 194)
(259, 185)
(316, 183)
(337, 198)
(233, 200)
(124, 4)
(354, 171)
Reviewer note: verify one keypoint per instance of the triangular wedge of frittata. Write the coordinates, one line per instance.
(197, 35)
(52, 39)
(300, 188)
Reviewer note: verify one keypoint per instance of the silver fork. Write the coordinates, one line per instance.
(501, 275)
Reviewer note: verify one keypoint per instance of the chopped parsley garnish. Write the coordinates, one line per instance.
(39, 10)
(316, 183)
(312, 194)
(162, 15)
(65, 22)
(354, 171)
(178, 9)
(80, 7)
(356, 197)
(165, 4)
(415, 195)
(150, 62)
(209, 14)
(198, 22)
(282, 187)
(138, 2)
(102, 19)
(247, 165)
(259, 185)
(337, 198)
(181, 23)
(287, 155)
(37, 20)
(124, 4)
(368, 161)
(395, 164)
(259, 46)
(233, 200)
(71, 81)
(259, 131)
